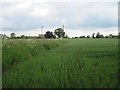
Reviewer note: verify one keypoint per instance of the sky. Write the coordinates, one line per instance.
(25, 17)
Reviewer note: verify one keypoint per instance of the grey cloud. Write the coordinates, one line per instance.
(74, 15)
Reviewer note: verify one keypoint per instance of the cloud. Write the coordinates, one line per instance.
(6, 24)
(77, 17)
(59, 0)
(40, 12)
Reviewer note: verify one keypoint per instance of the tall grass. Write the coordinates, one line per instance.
(0, 63)
(15, 51)
(80, 63)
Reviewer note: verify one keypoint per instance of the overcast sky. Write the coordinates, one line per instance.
(26, 17)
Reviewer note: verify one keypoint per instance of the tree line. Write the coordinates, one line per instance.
(58, 33)
(99, 35)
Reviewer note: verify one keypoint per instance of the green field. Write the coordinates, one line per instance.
(69, 63)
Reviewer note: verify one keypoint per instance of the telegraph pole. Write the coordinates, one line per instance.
(63, 27)
(42, 29)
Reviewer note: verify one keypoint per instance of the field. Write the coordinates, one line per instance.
(0, 63)
(69, 63)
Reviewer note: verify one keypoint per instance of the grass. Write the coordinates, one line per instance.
(0, 64)
(73, 63)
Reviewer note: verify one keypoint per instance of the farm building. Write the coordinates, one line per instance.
(41, 35)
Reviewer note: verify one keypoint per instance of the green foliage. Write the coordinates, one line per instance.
(110, 35)
(119, 35)
(79, 63)
(99, 35)
(93, 35)
(3, 36)
(59, 32)
(82, 37)
(23, 36)
(49, 34)
(0, 63)
(12, 35)
(88, 36)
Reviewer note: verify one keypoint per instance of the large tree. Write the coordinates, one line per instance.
(59, 32)
(88, 36)
(12, 35)
(98, 35)
(119, 35)
(49, 34)
(110, 36)
(93, 35)
(3, 36)
(23, 36)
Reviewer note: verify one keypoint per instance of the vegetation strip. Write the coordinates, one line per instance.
(15, 51)
(80, 63)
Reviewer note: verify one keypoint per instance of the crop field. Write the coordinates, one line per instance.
(67, 63)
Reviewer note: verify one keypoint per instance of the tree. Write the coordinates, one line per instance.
(18, 37)
(54, 36)
(101, 36)
(88, 36)
(3, 36)
(12, 35)
(23, 36)
(106, 36)
(110, 35)
(98, 35)
(59, 32)
(115, 36)
(66, 36)
(49, 35)
(76, 37)
(82, 37)
(93, 35)
(119, 35)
